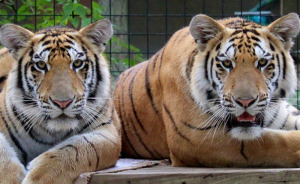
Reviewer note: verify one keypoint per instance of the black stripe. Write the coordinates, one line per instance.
(174, 124)
(14, 139)
(242, 150)
(93, 146)
(279, 66)
(206, 63)
(198, 128)
(272, 47)
(282, 93)
(46, 43)
(70, 37)
(253, 31)
(2, 79)
(218, 46)
(30, 87)
(284, 65)
(98, 79)
(41, 40)
(20, 82)
(148, 89)
(73, 147)
(69, 41)
(235, 32)
(141, 140)
(190, 64)
(132, 103)
(255, 38)
(211, 68)
(155, 59)
(285, 121)
(209, 94)
(123, 122)
(160, 64)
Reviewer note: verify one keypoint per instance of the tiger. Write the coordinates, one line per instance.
(215, 96)
(57, 118)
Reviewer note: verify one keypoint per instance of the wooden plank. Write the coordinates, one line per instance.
(165, 174)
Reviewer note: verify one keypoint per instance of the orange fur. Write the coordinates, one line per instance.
(161, 118)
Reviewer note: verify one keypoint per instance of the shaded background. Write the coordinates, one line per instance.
(141, 27)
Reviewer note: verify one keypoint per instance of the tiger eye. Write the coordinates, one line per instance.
(77, 63)
(262, 62)
(41, 65)
(227, 63)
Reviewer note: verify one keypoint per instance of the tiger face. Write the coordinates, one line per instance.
(59, 77)
(247, 68)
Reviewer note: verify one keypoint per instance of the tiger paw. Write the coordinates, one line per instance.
(48, 168)
(12, 173)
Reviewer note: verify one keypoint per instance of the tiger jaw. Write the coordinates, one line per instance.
(62, 123)
(245, 126)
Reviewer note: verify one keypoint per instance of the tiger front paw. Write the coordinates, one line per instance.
(48, 168)
(12, 173)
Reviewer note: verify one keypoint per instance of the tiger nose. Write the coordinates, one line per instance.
(62, 104)
(245, 102)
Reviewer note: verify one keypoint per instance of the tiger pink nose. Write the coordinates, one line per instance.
(62, 104)
(245, 102)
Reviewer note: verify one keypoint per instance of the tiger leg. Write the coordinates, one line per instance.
(12, 170)
(86, 152)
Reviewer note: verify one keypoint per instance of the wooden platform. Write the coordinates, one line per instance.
(161, 172)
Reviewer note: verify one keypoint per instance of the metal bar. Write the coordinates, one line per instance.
(35, 23)
(54, 7)
(16, 15)
(184, 12)
(110, 45)
(128, 28)
(166, 20)
(91, 10)
(147, 28)
(297, 55)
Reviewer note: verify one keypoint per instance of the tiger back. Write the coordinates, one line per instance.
(214, 95)
(56, 115)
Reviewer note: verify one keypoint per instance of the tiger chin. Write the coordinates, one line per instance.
(57, 119)
(215, 96)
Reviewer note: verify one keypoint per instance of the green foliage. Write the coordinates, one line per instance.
(70, 13)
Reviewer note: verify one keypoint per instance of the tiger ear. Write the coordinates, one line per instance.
(14, 37)
(98, 33)
(286, 28)
(203, 28)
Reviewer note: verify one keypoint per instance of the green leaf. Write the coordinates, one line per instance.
(67, 10)
(80, 10)
(75, 22)
(85, 22)
(61, 1)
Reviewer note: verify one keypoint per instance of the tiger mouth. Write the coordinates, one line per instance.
(245, 120)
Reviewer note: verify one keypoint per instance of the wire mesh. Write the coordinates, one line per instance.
(142, 27)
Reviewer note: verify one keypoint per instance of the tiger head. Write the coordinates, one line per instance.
(59, 76)
(242, 69)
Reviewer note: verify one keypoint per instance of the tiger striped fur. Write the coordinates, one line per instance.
(56, 114)
(215, 95)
